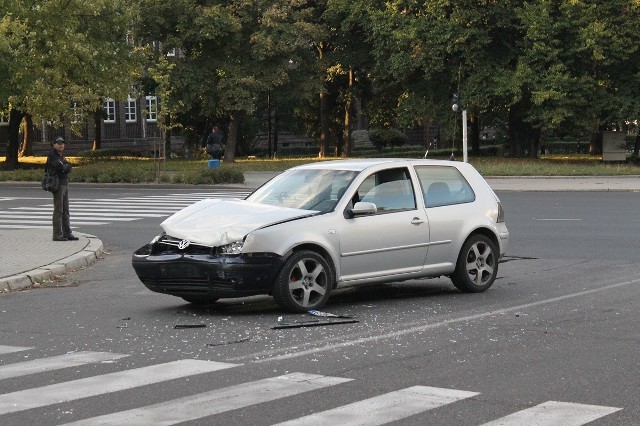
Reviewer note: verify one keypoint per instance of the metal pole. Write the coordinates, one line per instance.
(464, 135)
(269, 121)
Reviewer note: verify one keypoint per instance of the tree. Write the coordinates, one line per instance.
(61, 52)
(233, 54)
(574, 69)
(540, 67)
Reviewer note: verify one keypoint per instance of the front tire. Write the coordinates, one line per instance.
(477, 265)
(303, 283)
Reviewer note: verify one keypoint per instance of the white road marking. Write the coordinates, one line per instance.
(385, 408)
(76, 213)
(103, 384)
(216, 401)
(42, 222)
(104, 216)
(103, 211)
(10, 349)
(55, 362)
(554, 413)
(289, 352)
(560, 219)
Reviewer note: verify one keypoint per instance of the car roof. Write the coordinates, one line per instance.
(365, 163)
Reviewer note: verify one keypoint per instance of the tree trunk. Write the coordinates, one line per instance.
(167, 137)
(324, 126)
(235, 120)
(27, 141)
(595, 143)
(523, 138)
(474, 131)
(347, 120)
(97, 127)
(11, 159)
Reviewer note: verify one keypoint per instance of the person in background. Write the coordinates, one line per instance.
(215, 147)
(56, 163)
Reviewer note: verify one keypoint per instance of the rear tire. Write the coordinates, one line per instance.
(303, 283)
(477, 265)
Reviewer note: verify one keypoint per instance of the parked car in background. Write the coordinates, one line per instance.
(319, 226)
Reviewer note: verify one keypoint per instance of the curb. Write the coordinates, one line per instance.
(88, 256)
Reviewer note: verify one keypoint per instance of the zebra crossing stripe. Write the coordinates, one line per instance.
(9, 349)
(141, 204)
(553, 413)
(102, 216)
(28, 226)
(83, 214)
(217, 401)
(106, 383)
(102, 211)
(91, 208)
(42, 222)
(385, 408)
(55, 362)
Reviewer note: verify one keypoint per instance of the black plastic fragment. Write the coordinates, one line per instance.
(190, 326)
(314, 323)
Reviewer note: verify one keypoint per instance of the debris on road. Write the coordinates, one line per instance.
(327, 314)
(312, 323)
(246, 339)
(190, 326)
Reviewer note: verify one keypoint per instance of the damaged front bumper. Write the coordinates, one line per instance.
(205, 274)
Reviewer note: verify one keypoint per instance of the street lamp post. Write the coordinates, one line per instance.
(456, 107)
(269, 121)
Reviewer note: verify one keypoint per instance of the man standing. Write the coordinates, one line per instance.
(57, 164)
(215, 148)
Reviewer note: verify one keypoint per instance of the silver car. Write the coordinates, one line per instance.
(319, 226)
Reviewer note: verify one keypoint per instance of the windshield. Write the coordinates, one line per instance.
(307, 189)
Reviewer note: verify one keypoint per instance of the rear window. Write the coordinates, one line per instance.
(444, 186)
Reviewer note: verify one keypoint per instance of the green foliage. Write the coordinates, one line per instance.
(107, 154)
(61, 52)
(217, 176)
(235, 54)
(387, 137)
(531, 68)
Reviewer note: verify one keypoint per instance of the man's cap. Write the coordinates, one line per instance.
(59, 139)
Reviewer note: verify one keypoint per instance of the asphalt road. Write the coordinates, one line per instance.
(558, 332)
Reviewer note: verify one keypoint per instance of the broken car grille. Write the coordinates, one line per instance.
(167, 244)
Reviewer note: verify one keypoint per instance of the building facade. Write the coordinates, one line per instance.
(125, 124)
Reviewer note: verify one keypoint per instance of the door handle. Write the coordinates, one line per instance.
(417, 221)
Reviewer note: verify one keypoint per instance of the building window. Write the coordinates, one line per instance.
(76, 113)
(109, 107)
(152, 108)
(130, 110)
(4, 119)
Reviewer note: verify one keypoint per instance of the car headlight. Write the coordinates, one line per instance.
(156, 239)
(233, 248)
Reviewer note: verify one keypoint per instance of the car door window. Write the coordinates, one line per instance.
(443, 186)
(389, 190)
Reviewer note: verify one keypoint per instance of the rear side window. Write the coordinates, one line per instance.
(444, 186)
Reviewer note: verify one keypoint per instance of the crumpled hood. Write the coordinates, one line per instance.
(215, 222)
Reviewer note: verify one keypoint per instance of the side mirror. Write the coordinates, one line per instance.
(362, 208)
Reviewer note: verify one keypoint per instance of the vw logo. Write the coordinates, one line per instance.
(183, 244)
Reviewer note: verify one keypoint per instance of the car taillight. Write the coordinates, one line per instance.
(500, 213)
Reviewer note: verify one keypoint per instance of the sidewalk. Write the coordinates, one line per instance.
(29, 256)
